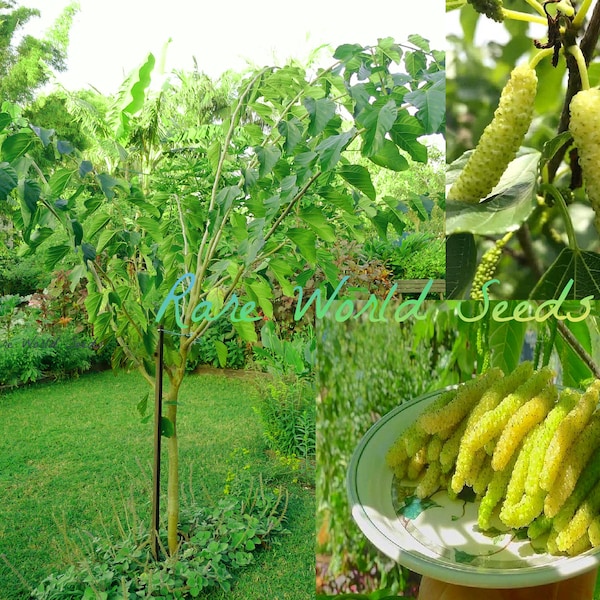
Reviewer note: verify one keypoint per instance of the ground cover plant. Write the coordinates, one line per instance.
(522, 183)
(69, 468)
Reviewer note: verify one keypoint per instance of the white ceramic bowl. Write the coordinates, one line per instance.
(442, 541)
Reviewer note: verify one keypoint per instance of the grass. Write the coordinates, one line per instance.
(73, 453)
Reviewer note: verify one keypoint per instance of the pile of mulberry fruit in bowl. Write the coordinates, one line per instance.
(528, 449)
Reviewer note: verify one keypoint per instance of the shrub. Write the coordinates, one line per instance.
(204, 350)
(21, 276)
(287, 413)
(62, 302)
(427, 263)
(413, 256)
(294, 357)
(216, 543)
(30, 355)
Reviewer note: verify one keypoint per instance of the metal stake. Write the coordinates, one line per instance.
(158, 388)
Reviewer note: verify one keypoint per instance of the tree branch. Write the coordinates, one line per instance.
(568, 336)
(524, 237)
(587, 45)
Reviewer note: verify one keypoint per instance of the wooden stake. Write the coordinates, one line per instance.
(158, 388)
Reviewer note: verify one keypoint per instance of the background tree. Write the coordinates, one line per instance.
(26, 62)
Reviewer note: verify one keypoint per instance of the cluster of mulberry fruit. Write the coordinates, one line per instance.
(487, 267)
(530, 452)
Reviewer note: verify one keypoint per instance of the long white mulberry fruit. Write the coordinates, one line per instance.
(585, 128)
(565, 434)
(500, 140)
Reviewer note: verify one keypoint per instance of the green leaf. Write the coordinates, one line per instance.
(330, 149)
(415, 63)
(65, 147)
(315, 218)
(390, 158)
(377, 120)
(574, 370)
(89, 594)
(250, 179)
(142, 405)
(454, 4)
(92, 305)
(8, 180)
(510, 204)
(321, 111)
(108, 185)
(419, 41)
(15, 146)
(54, 254)
(413, 506)
(292, 132)
(38, 236)
(105, 238)
(246, 331)
(306, 241)
(552, 146)
(31, 192)
(77, 231)
(360, 178)
(138, 90)
(221, 350)
(282, 270)
(5, 120)
(390, 49)
(59, 181)
(96, 223)
(151, 227)
(573, 269)
(339, 198)
(89, 252)
(346, 52)
(261, 293)
(214, 155)
(461, 263)
(506, 340)
(267, 158)
(44, 134)
(404, 134)
(102, 328)
(166, 427)
(85, 167)
(415, 201)
(430, 102)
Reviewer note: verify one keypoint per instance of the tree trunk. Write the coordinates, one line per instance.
(173, 484)
(173, 474)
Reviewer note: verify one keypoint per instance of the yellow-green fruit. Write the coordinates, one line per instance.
(585, 128)
(500, 140)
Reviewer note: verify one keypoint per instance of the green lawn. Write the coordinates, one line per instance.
(73, 453)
